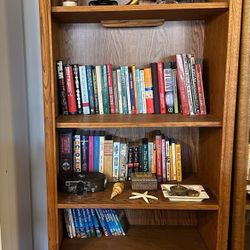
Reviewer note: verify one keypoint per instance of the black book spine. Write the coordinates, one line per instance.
(155, 88)
(145, 155)
(136, 159)
(130, 161)
(65, 150)
(61, 89)
(77, 87)
(85, 154)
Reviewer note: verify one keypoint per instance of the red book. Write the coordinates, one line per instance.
(158, 157)
(111, 89)
(91, 153)
(181, 84)
(202, 102)
(161, 87)
(70, 89)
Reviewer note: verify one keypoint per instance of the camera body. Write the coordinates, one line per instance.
(80, 183)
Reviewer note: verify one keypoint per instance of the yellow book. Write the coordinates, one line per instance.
(178, 162)
(171, 163)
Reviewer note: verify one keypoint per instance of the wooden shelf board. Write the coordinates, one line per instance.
(102, 200)
(168, 12)
(143, 237)
(139, 120)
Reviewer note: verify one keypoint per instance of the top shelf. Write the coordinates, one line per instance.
(168, 12)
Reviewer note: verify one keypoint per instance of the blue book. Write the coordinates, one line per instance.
(96, 152)
(91, 224)
(85, 219)
(105, 90)
(96, 224)
(117, 222)
(76, 223)
(114, 223)
(132, 91)
(109, 222)
(139, 91)
(124, 90)
(81, 223)
(90, 88)
(102, 222)
(101, 211)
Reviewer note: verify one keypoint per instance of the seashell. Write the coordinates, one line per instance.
(117, 189)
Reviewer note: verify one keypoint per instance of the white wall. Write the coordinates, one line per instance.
(15, 195)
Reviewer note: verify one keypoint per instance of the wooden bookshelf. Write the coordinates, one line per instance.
(210, 31)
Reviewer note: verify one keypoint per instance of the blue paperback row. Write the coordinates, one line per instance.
(87, 223)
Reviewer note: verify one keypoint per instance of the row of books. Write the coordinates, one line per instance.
(162, 88)
(87, 223)
(117, 158)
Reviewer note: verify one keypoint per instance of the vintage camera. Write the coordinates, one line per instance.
(80, 183)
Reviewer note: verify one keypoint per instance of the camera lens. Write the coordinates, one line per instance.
(80, 188)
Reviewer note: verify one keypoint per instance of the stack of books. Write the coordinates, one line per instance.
(87, 223)
(117, 158)
(172, 87)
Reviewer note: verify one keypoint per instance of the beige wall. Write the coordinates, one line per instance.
(15, 195)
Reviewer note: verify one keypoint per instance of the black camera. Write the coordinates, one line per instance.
(80, 183)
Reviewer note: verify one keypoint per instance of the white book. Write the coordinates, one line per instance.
(167, 161)
(71, 220)
(119, 87)
(84, 90)
(174, 161)
(150, 156)
(101, 156)
(128, 89)
(99, 88)
(144, 107)
(114, 75)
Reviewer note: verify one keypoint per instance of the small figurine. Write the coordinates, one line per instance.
(144, 196)
(117, 189)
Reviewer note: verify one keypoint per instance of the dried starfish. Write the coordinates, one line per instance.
(144, 196)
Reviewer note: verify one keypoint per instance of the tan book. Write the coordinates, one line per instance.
(108, 158)
(178, 162)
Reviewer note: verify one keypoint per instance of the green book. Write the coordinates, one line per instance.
(105, 92)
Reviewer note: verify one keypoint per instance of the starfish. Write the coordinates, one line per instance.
(144, 196)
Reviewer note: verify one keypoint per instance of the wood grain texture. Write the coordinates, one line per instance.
(169, 12)
(141, 238)
(49, 121)
(241, 139)
(133, 121)
(92, 44)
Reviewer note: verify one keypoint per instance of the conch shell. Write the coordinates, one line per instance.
(117, 189)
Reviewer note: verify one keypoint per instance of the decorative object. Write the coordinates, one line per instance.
(184, 192)
(117, 189)
(103, 2)
(133, 2)
(69, 3)
(143, 181)
(143, 196)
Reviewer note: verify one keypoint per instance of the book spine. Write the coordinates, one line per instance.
(77, 153)
(101, 157)
(86, 222)
(149, 95)
(174, 80)
(61, 88)
(71, 220)
(95, 222)
(111, 89)
(155, 88)
(96, 152)
(133, 69)
(91, 224)
(67, 223)
(116, 161)
(168, 171)
(84, 90)
(173, 158)
(188, 84)
(124, 90)
(123, 161)
(178, 162)
(81, 223)
(194, 84)
(108, 157)
(154, 167)
(85, 143)
(101, 212)
(171, 162)
(114, 76)
(118, 222)
(99, 88)
(119, 88)
(130, 161)
(139, 91)
(161, 87)
(105, 92)
(158, 158)
(182, 86)
(91, 153)
(77, 88)
(144, 107)
(150, 156)
(128, 89)
(145, 155)
(117, 226)
(95, 90)
(65, 150)
(90, 88)
(101, 220)
(200, 89)
(76, 223)
(136, 159)
(109, 222)
(132, 93)
(70, 89)
(169, 89)
(163, 159)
